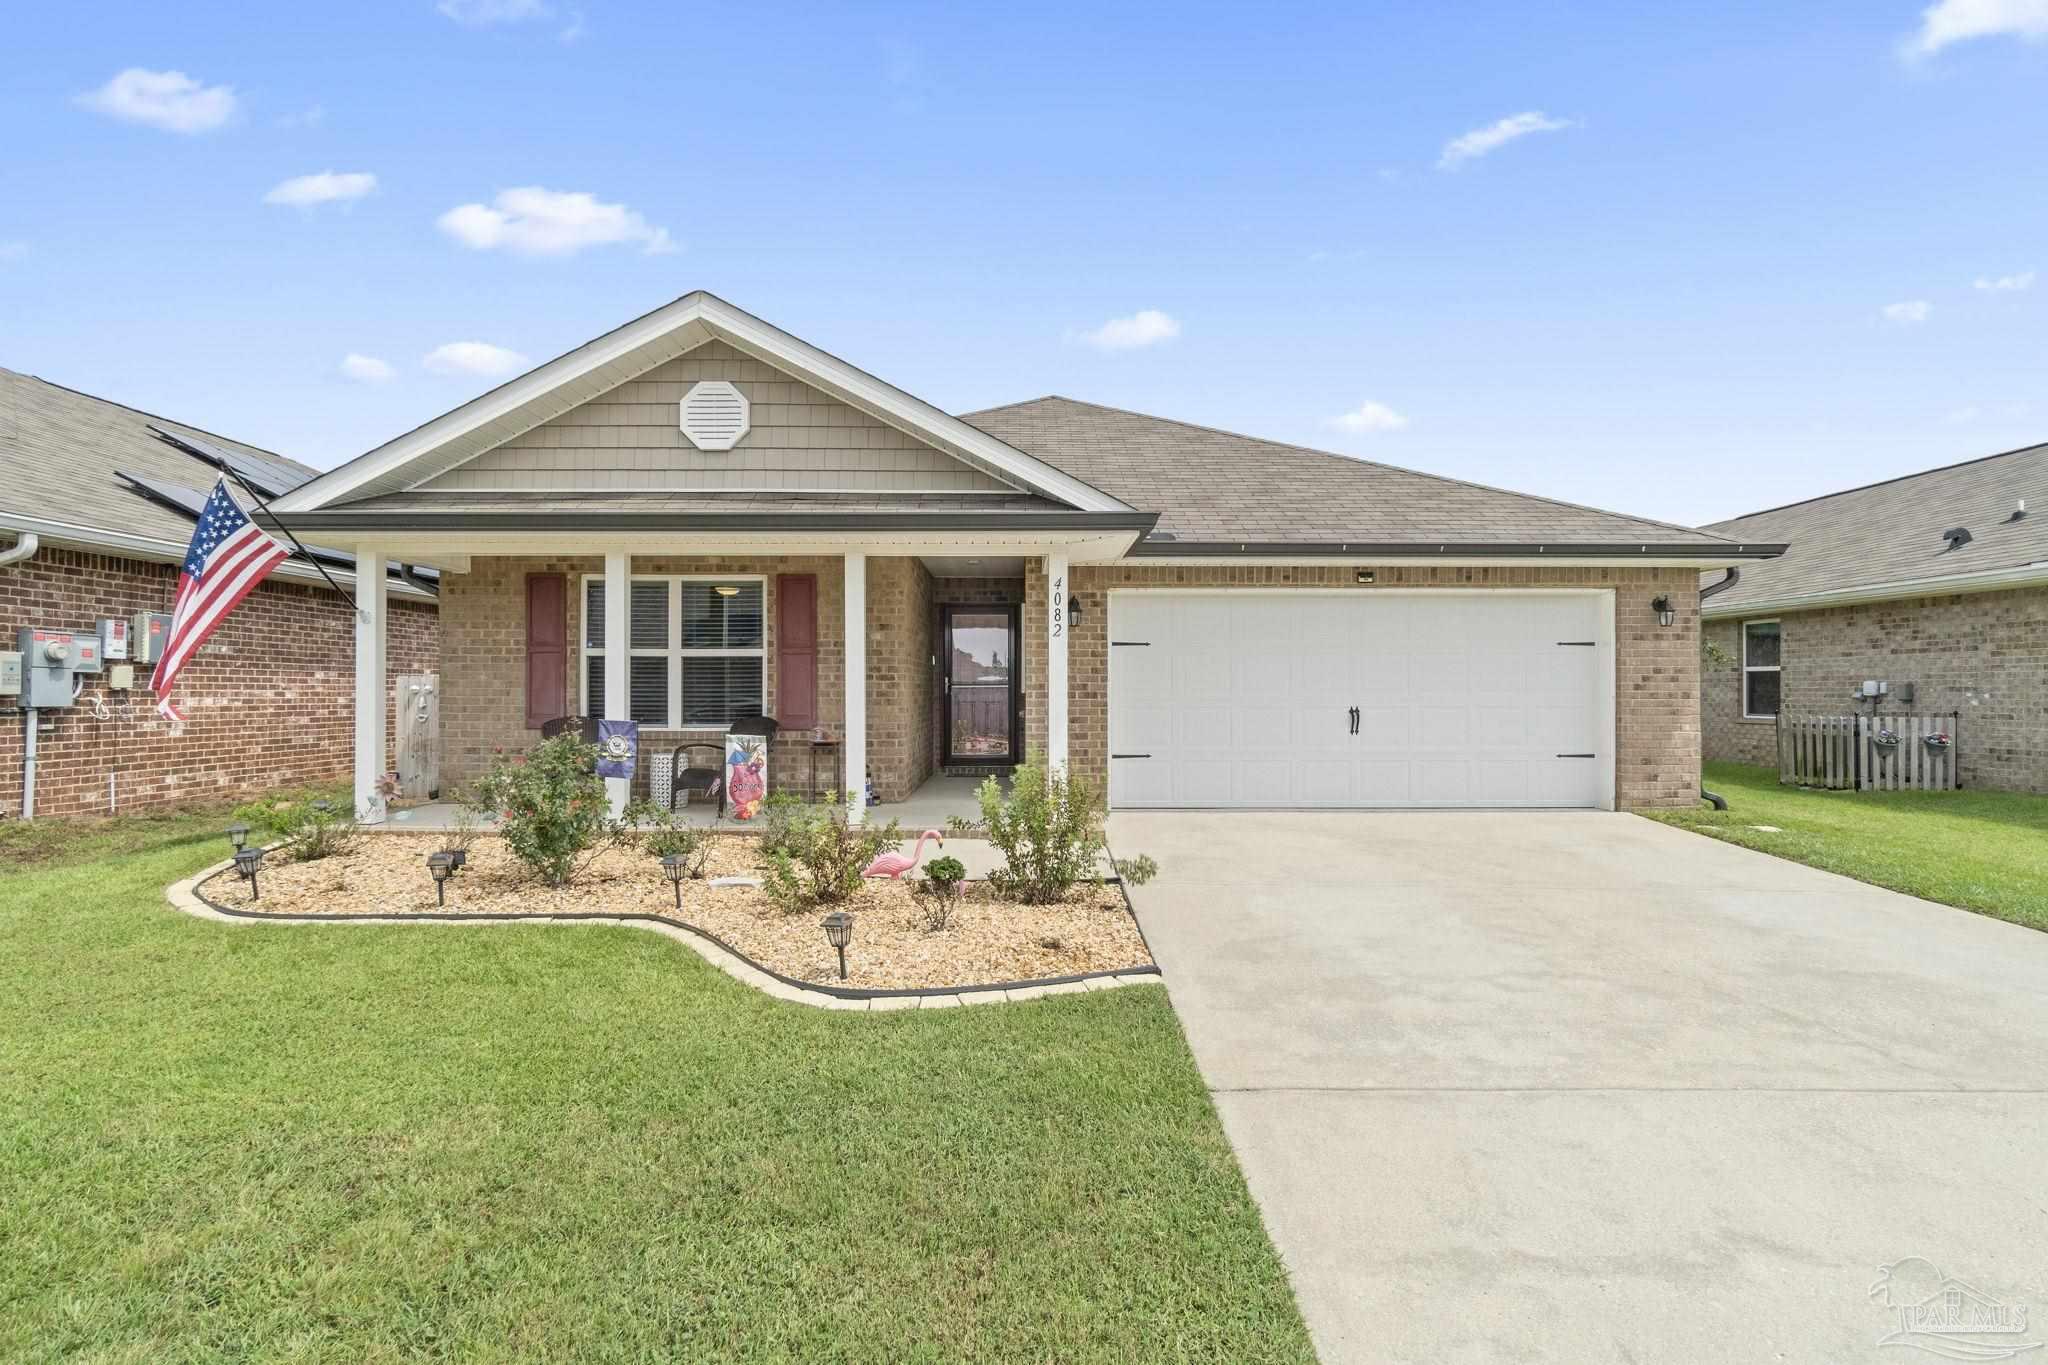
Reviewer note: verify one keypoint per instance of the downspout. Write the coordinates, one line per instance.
(1715, 799)
(23, 549)
(431, 589)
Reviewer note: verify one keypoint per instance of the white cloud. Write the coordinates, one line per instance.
(1480, 141)
(474, 358)
(573, 30)
(366, 369)
(1368, 416)
(324, 187)
(1146, 327)
(2006, 284)
(312, 116)
(170, 100)
(13, 250)
(479, 13)
(1908, 313)
(538, 222)
(1956, 21)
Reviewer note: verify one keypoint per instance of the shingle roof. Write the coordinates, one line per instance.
(1214, 486)
(459, 503)
(1891, 532)
(60, 451)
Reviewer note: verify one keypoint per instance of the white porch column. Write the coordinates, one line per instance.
(856, 746)
(1057, 592)
(618, 660)
(372, 606)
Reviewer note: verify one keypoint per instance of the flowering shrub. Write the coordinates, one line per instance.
(822, 857)
(551, 807)
(1050, 831)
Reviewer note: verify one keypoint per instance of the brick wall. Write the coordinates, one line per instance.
(269, 701)
(1981, 655)
(483, 705)
(1656, 690)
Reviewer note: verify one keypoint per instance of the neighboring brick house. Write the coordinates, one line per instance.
(96, 511)
(1935, 583)
(697, 517)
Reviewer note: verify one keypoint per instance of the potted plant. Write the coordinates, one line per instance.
(1885, 741)
(1937, 743)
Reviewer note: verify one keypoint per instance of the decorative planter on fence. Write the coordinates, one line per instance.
(1868, 753)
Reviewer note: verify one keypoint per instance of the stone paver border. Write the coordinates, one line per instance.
(187, 896)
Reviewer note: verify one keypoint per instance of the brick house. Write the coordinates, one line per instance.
(1935, 584)
(96, 510)
(698, 517)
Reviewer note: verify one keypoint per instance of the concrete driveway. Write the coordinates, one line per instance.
(1580, 1087)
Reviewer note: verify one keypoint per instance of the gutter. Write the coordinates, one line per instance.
(1723, 586)
(23, 549)
(1987, 580)
(101, 540)
(1156, 548)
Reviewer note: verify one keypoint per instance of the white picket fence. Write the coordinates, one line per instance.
(1842, 752)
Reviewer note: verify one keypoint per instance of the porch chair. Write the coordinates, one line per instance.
(695, 776)
(583, 727)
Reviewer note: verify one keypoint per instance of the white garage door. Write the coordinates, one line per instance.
(1433, 698)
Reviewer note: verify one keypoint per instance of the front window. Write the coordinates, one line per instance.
(697, 652)
(1760, 669)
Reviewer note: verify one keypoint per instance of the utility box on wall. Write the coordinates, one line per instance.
(49, 658)
(146, 639)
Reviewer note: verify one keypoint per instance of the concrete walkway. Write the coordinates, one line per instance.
(1580, 1087)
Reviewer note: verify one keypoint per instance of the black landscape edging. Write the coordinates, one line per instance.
(635, 916)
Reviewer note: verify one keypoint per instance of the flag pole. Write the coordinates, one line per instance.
(263, 504)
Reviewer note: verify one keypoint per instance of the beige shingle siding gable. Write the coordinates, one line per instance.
(1892, 532)
(60, 449)
(1216, 486)
(628, 440)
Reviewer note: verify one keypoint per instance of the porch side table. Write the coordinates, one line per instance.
(835, 751)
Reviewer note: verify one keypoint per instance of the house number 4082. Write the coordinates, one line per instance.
(1059, 606)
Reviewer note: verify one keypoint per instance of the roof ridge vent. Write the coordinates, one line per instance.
(1957, 537)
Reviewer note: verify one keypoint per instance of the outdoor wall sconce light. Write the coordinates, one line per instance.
(1365, 575)
(672, 868)
(441, 864)
(238, 835)
(839, 933)
(1074, 611)
(1662, 606)
(247, 860)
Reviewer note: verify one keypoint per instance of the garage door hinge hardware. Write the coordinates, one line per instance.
(1588, 643)
(1578, 755)
(1130, 755)
(1131, 644)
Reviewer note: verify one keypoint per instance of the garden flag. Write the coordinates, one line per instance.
(618, 747)
(229, 555)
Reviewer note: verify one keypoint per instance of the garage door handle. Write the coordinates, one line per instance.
(1354, 720)
(1130, 755)
(1578, 755)
(1587, 643)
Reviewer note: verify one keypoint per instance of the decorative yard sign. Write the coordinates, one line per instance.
(618, 747)
(746, 774)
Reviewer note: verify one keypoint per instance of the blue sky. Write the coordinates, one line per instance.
(1688, 260)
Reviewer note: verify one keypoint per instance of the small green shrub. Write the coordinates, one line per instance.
(938, 891)
(273, 813)
(783, 815)
(1048, 829)
(663, 834)
(551, 808)
(823, 857)
(319, 829)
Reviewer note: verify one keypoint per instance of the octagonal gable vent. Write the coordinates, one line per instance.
(714, 415)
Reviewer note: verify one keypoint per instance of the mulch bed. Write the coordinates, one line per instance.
(989, 940)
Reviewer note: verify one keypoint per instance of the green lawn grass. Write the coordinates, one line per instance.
(351, 1143)
(1983, 851)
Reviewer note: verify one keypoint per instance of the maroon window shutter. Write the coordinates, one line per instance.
(796, 650)
(547, 648)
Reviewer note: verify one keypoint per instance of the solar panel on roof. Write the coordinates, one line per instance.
(269, 480)
(189, 501)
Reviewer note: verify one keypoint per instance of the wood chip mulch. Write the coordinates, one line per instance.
(989, 940)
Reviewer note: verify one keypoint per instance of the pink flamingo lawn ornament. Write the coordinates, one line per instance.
(894, 864)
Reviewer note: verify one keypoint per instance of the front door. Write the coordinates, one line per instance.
(978, 668)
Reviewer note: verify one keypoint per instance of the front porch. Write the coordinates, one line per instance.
(939, 800)
(957, 655)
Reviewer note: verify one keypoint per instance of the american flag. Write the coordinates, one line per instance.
(228, 557)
